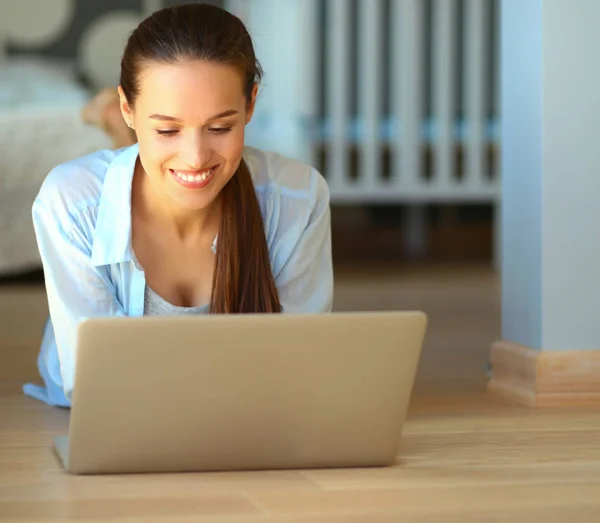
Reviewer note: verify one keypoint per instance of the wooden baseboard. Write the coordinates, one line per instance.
(545, 378)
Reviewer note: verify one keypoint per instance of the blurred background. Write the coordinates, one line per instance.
(396, 102)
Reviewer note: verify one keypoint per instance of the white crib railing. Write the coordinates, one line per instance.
(394, 100)
(436, 139)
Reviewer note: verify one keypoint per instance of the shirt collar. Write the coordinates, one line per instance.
(112, 235)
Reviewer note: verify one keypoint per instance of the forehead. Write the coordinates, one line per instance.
(190, 88)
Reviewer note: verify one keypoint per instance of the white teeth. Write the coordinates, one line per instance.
(193, 178)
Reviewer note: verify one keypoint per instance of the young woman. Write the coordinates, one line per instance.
(188, 220)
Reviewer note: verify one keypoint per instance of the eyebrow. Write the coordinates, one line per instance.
(165, 118)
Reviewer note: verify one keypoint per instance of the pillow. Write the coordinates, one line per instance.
(27, 82)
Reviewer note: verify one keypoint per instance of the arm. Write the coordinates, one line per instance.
(305, 281)
(75, 288)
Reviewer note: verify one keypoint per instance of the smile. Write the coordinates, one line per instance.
(193, 179)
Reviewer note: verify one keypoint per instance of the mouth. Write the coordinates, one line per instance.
(193, 179)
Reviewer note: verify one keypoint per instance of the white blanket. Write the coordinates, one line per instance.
(40, 127)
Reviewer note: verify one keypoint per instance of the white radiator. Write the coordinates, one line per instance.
(393, 100)
(421, 126)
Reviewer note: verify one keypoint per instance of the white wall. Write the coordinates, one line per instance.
(571, 189)
(551, 173)
(521, 92)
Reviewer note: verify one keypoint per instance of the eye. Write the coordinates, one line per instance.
(166, 132)
(220, 130)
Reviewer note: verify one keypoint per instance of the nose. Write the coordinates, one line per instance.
(196, 152)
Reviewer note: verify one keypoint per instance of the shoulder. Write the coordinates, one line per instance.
(74, 188)
(75, 182)
(294, 201)
(279, 177)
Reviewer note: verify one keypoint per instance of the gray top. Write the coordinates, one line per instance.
(154, 305)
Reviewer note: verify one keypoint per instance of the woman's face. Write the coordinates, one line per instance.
(190, 119)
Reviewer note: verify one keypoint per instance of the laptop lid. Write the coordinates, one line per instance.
(239, 392)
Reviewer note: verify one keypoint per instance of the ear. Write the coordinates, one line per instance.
(252, 104)
(126, 109)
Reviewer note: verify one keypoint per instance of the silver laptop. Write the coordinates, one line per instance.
(241, 392)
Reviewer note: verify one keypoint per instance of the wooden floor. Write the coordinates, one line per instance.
(464, 457)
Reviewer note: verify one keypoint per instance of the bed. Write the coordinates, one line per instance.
(40, 127)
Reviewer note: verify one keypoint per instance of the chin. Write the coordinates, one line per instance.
(194, 199)
(194, 205)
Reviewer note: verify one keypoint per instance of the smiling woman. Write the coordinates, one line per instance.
(188, 220)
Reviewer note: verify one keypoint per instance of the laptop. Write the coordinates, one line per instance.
(240, 392)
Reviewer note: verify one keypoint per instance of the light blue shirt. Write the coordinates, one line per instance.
(82, 221)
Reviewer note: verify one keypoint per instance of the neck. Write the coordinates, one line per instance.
(184, 225)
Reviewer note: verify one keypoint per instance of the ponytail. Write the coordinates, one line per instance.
(243, 280)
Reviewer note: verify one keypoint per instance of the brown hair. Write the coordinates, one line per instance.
(243, 280)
